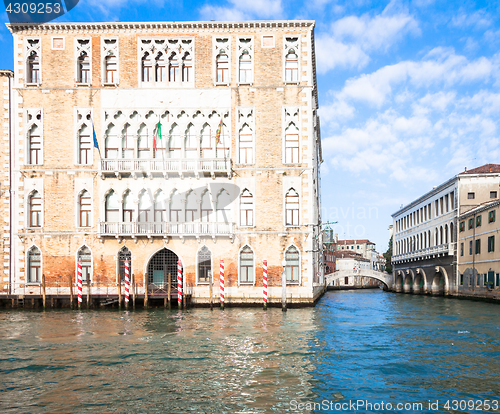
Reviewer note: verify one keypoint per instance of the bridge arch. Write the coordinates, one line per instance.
(383, 277)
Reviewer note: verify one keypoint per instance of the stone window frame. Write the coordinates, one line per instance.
(83, 117)
(491, 244)
(240, 251)
(91, 272)
(52, 42)
(165, 45)
(262, 41)
(28, 266)
(245, 116)
(241, 48)
(106, 51)
(291, 41)
(240, 209)
(79, 209)
(28, 50)
(293, 282)
(286, 209)
(33, 117)
(198, 281)
(29, 209)
(217, 46)
(80, 49)
(291, 115)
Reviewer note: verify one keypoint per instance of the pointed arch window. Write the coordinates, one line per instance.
(147, 68)
(204, 265)
(160, 212)
(222, 67)
(247, 269)
(85, 209)
(292, 265)
(83, 69)
(246, 145)
(246, 208)
(206, 210)
(245, 67)
(191, 208)
(173, 68)
(84, 146)
(124, 255)
(174, 143)
(223, 207)
(112, 209)
(144, 209)
(35, 209)
(34, 265)
(187, 68)
(292, 208)
(207, 147)
(111, 69)
(191, 144)
(175, 211)
(143, 147)
(34, 146)
(160, 68)
(127, 208)
(85, 256)
(292, 144)
(291, 67)
(128, 143)
(111, 143)
(33, 69)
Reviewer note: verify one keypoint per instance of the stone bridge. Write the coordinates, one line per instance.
(384, 277)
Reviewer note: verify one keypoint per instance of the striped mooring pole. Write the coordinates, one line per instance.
(221, 282)
(264, 284)
(127, 284)
(179, 284)
(79, 284)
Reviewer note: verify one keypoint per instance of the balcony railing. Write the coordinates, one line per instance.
(137, 229)
(441, 249)
(180, 166)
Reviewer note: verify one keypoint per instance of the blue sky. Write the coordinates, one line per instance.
(409, 91)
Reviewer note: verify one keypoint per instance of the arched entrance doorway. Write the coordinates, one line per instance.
(399, 282)
(160, 266)
(438, 284)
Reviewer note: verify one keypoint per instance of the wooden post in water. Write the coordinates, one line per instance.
(88, 293)
(211, 291)
(119, 291)
(70, 291)
(43, 290)
(145, 291)
(283, 287)
(169, 291)
(133, 291)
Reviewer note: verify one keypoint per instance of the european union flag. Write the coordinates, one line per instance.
(96, 144)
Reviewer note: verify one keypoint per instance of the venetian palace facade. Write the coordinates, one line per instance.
(153, 197)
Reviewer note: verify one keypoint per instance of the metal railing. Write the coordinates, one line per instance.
(179, 165)
(165, 228)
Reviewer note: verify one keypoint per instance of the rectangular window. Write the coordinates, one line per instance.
(246, 146)
(461, 279)
(493, 194)
(470, 247)
(478, 246)
(471, 196)
(246, 266)
(110, 61)
(85, 210)
(292, 147)
(478, 221)
(491, 216)
(267, 41)
(245, 60)
(35, 148)
(491, 244)
(471, 223)
(461, 249)
(498, 280)
(478, 279)
(485, 279)
(462, 226)
(84, 148)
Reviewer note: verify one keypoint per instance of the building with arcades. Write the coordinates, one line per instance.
(164, 185)
(425, 254)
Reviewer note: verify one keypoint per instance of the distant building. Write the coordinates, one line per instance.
(355, 262)
(425, 258)
(364, 247)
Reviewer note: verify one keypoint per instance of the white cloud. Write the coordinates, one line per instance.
(331, 54)
(242, 10)
(478, 20)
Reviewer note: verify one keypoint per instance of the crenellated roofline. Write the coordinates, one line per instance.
(162, 27)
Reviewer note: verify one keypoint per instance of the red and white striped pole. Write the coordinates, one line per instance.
(79, 284)
(221, 282)
(264, 284)
(179, 284)
(127, 284)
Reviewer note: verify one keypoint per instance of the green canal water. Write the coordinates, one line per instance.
(353, 348)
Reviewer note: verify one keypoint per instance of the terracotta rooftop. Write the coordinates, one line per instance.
(362, 241)
(484, 169)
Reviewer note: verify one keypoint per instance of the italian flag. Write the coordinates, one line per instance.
(156, 134)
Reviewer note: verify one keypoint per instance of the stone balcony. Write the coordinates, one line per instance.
(165, 229)
(442, 249)
(173, 167)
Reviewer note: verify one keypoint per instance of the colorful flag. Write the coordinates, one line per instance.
(156, 134)
(217, 134)
(96, 144)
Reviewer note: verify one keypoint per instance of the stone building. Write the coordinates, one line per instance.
(6, 81)
(478, 251)
(364, 247)
(425, 231)
(209, 150)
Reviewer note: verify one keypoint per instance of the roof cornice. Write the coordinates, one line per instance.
(161, 27)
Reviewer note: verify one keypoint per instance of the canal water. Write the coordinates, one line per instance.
(353, 349)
